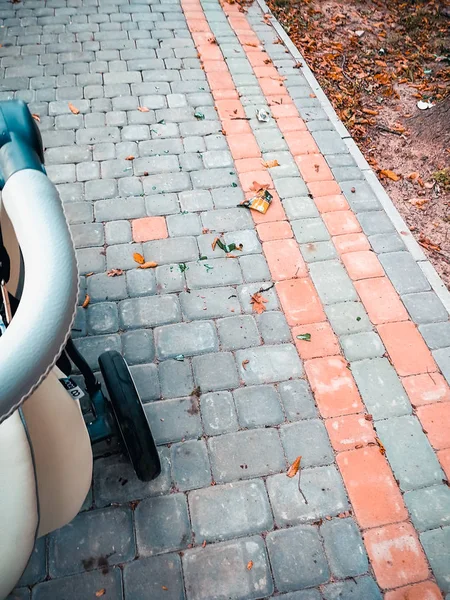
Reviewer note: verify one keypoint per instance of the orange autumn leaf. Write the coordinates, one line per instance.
(165, 588)
(131, 157)
(114, 272)
(390, 174)
(253, 44)
(73, 109)
(148, 265)
(294, 468)
(204, 544)
(100, 593)
(257, 301)
(259, 186)
(86, 301)
(245, 363)
(369, 111)
(214, 243)
(269, 164)
(138, 258)
(249, 565)
(143, 109)
(382, 448)
(36, 117)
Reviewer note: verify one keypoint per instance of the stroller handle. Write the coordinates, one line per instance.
(41, 325)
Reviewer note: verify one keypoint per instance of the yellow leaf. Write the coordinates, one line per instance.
(73, 109)
(148, 265)
(86, 301)
(138, 258)
(294, 468)
(390, 174)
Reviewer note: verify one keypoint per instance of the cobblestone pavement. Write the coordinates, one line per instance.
(177, 86)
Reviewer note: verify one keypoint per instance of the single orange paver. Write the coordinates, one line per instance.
(313, 167)
(396, 555)
(323, 342)
(327, 204)
(351, 242)
(149, 228)
(427, 590)
(245, 165)
(444, 459)
(284, 259)
(301, 143)
(277, 230)
(350, 431)
(371, 486)
(324, 188)
(381, 300)
(300, 301)
(333, 385)
(236, 127)
(341, 222)
(220, 81)
(243, 145)
(255, 180)
(291, 124)
(407, 349)
(435, 419)
(230, 109)
(362, 265)
(426, 388)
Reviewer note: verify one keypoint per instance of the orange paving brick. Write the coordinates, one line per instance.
(323, 188)
(271, 87)
(243, 145)
(362, 265)
(407, 349)
(349, 432)
(201, 38)
(371, 487)
(215, 65)
(198, 25)
(313, 167)
(230, 109)
(334, 388)
(435, 419)
(396, 555)
(323, 342)
(284, 259)
(255, 180)
(281, 111)
(149, 228)
(225, 94)
(248, 38)
(211, 53)
(238, 23)
(258, 59)
(277, 230)
(444, 459)
(220, 81)
(427, 590)
(351, 242)
(236, 127)
(275, 212)
(300, 302)
(426, 388)
(341, 222)
(291, 124)
(245, 165)
(327, 204)
(381, 300)
(301, 143)
(266, 71)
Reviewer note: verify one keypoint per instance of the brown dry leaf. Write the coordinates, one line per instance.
(131, 157)
(231, 255)
(257, 301)
(369, 111)
(390, 174)
(86, 301)
(249, 565)
(148, 265)
(143, 109)
(206, 230)
(294, 468)
(412, 176)
(138, 258)
(428, 244)
(269, 164)
(36, 117)
(212, 40)
(204, 544)
(245, 363)
(89, 274)
(73, 109)
(418, 202)
(253, 44)
(382, 448)
(259, 186)
(100, 593)
(214, 244)
(165, 588)
(114, 272)
(368, 417)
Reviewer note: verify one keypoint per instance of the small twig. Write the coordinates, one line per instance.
(343, 70)
(387, 130)
(300, 489)
(261, 290)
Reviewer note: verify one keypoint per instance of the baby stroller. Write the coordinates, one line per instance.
(45, 439)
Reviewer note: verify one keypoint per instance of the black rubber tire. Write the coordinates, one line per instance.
(130, 415)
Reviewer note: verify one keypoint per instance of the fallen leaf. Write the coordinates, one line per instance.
(114, 272)
(390, 174)
(257, 301)
(138, 258)
(305, 337)
(413, 176)
(249, 565)
(143, 109)
(253, 44)
(164, 588)
(131, 157)
(148, 265)
(36, 117)
(205, 230)
(245, 363)
(256, 187)
(89, 274)
(73, 109)
(368, 417)
(382, 448)
(269, 164)
(86, 301)
(100, 593)
(212, 40)
(214, 243)
(294, 468)
(204, 544)
(369, 111)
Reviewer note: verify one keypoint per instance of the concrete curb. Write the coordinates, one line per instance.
(397, 220)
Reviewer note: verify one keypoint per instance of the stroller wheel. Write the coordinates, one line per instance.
(130, 415)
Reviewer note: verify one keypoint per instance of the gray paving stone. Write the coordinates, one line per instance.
(187, 339)
(210, 303)
(89, 538)
(436, 335)
(404, 272)
(20, 594)
(309, 439)
(270, 140)
(229, 219)
(92, 346)
(227, 197)
(80, 587)
(308, 231)
(100, 287)
(166, 183)
(429, 507)
(246, 454)
(348, 318)
(332, 282)
(238, 332)
(130, 186)
(170, 250)
(248, 239)
(100, 189)
(244, 509)
(218, 413)
(386, 242)
(37, 565)
(120, 256)
(191, 162)
(436, 544)
(213, 273)
(330, 142)
(318, 251)
(175, 378)
(347, 173)
(380, 388)
(322, 487)
(220, 571)
(290, 187)
(138, 346)
(258, 406)
(297, 400)
(146, 379)
(163, 204)
(362, 345)
(145, 578)
(425, 307)
(140, 282)
(301, 207)
(214, 372)
(269, 364)
(442, 357)
(361, 199)
(311, 594)
(162, 524)
(409, 452)
(375, 222)
(344, 548)
(273, 327)
(190, 465)
(116, 482)
(149, 311)
(102, 318)
(254, 268)
(117, 232)
(353, 589)
(197, 200)
(297, 558)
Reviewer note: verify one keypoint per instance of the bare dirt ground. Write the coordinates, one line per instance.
(376, 60)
